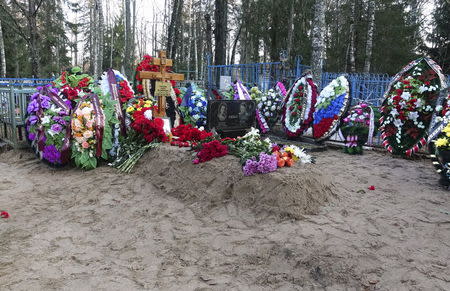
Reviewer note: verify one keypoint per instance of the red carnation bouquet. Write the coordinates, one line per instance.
(151, 129)
(211, 150)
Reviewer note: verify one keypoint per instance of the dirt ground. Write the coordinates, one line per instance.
(101, 230)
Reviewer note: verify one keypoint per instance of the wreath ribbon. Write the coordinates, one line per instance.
(112, 82)
(371, 127)
(65, 149)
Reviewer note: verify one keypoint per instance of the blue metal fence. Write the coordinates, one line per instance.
(363, 87)
(263, 75)
(23, 82)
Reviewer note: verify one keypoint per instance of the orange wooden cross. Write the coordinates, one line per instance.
(163, 62)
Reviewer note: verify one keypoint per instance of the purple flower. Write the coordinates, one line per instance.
(45, 102)
(31, 136)
(267, 163)
(68, 103)
(39, 88)
(56, 128)
(60, 120)
(34, 96)
(32, 119)
(52, 154)
(33, 106)
(250, 167)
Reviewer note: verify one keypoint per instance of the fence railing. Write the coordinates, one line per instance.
(13, 109)
(263, 75)
(23, 82)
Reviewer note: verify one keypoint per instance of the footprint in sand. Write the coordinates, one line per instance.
(6, 185)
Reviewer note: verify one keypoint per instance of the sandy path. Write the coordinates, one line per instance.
(101, 231)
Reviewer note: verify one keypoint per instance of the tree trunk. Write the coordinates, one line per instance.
(208, 35)
(177, 30)
(352, 62)
(369, 41)
(290, 28)
(194, 35)
(220, 32)
(2, 54)
(128, 40)
(318, 41)
(33, 44)
(171, 29)
(100, 32)
(233, 51)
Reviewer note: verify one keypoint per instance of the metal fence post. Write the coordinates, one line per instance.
(12, 116)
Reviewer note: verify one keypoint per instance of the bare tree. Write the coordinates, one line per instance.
(290, 28)
(369, 41)
(2, 54)
(351, 49)
(318, 40)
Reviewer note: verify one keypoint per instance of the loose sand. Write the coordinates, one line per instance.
(175, 226)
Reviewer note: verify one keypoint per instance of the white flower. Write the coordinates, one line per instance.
(422, 89)
(196, 116)
(398, 123)
(269, 103)
(51, 132)
(394, 112)
(201, 128)
(418, 103)
(432, 88)
(273, 108)
(413, 115)
(439, 119)
(439, 108)
(148, 114)
(267, 113)
(46, 119)
(264, 98)
(406, 95)
(199, 104)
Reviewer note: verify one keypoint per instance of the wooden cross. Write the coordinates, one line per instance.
(163, 76)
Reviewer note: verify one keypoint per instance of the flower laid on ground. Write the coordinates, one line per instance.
(371, 188)
(264, 164)
(74, 84)
(210, 150)
(47, 125)
(331, 104)
(185, 135)
(193, 106)
(288, 155)
(299, 106)
(409, 105)
(358, 128)
(4, 214)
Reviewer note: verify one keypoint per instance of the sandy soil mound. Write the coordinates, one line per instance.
(289, 192)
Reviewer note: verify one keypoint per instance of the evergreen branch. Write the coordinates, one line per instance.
(24, 11)
(16, 27)
(37, 8)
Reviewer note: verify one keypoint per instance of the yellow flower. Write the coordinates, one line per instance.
(130, 109)
(441, 142)
(446, 129)
(291, 150)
